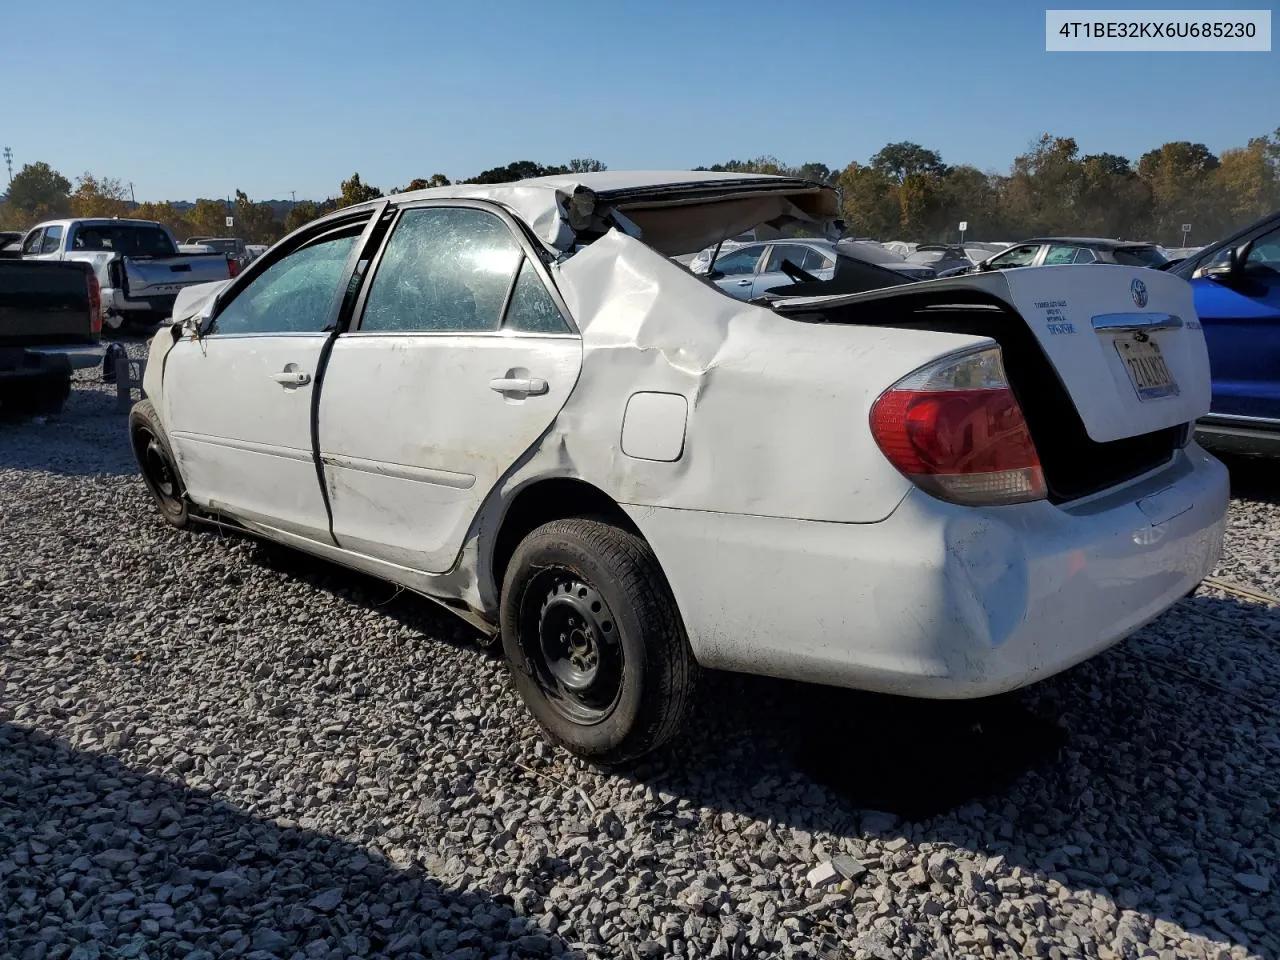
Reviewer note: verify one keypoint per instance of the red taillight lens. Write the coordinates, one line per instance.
(956, 430)
(95, 303)
(233, 266)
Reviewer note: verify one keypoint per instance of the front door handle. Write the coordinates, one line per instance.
(744, 283)
(292, 378)
(520, 386)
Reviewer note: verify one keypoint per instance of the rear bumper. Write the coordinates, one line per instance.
(1248, 436)
(80, 358)
(937, 600)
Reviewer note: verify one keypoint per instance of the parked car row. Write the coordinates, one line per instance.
(509, 398)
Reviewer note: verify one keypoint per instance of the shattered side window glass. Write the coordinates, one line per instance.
(293, 295)
(445, 269)
(532, 310)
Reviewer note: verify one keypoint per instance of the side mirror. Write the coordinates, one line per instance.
(1221, 269)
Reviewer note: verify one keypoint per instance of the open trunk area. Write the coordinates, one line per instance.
(1075, 465)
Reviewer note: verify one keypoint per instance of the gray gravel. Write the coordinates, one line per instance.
(213, 748)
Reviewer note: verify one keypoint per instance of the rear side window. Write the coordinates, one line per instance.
(1139, 256)
(532, 310)
(1085, 255)
(793, 252)
(293, 295)
(739, 262)
(1019, 256)
(1059, 255)
(129, 239)
(52, 241)
(444, 270)
(814, 260)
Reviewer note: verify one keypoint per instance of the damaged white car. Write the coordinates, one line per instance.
(511, 400)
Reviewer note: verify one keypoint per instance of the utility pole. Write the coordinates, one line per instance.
(293, 199)
(8, 161)
(132, 198)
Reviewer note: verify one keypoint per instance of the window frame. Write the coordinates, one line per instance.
(530, 250)
(755, 271)
(34, 239)
(313, 233)
(49, 234)
(1036, 257)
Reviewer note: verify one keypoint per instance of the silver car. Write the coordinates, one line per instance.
(749, 271)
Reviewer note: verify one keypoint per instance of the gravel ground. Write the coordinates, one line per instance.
(214, 748)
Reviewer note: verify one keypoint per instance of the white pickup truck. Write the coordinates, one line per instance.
(508, 398)
(137, 264)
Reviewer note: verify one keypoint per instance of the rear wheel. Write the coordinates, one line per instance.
(156, 461)
(594, 641)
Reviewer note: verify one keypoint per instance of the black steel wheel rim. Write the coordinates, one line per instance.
(158, 471)
(570, 638)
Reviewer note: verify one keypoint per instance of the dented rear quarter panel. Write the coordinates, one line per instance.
(778, 409)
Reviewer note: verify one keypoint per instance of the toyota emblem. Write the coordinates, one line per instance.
(1138, 290)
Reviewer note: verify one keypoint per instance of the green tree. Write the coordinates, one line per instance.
(38, 186)
(208, 218)
(99, 197)
(819, 172)
(586, 165)
(355, 191)
(165, 213)
(304, 211)
(868, 202)
(897, 161)
(1178, 174)
(418, 183)
(519, 170)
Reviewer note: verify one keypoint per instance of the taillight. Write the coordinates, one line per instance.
(233, 266)
(956, 430)
(95, 302)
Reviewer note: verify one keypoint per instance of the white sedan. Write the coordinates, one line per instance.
(510, 399)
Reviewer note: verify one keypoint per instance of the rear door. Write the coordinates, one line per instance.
(803, 256)
(238, 401)
(1241, 318)
(735, 272)
(460, 359)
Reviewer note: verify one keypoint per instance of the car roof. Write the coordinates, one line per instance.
(98, 222)
(549, 205)
(1101, 243)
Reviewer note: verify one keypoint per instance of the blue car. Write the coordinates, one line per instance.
(1237, 293)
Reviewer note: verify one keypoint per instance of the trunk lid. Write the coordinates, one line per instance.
(1124, 341)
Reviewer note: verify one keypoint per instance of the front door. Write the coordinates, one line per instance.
(458, 362)
(238, 400)
(1241, 319)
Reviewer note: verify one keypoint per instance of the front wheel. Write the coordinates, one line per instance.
(156, 461)
(594, 641)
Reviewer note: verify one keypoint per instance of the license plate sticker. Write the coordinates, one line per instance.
(1146, 367)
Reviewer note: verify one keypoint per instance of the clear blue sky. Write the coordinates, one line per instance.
(190, 99)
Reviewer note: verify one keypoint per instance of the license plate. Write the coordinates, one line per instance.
(1147, 370)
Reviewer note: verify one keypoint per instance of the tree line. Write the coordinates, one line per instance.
(904, 192)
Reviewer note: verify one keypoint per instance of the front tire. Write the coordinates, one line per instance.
(156, 461)
(594, 640)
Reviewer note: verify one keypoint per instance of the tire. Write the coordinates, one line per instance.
(157, 464)
(594, 641)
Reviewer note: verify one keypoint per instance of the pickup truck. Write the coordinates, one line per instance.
(233, 247)
(50, 324)
(137, 264)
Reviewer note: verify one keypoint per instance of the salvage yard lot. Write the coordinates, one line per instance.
(211, 747)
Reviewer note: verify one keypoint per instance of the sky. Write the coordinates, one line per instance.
(200, 99)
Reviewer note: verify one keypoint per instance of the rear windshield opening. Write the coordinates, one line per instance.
(1140, 257)
(128, 239)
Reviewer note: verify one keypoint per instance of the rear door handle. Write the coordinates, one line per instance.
(744, 283)
(292, 378)
(525, 386)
